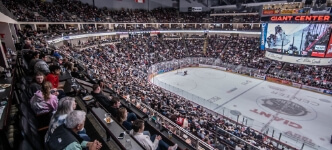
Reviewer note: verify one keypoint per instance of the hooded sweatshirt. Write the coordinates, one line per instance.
(39, 105)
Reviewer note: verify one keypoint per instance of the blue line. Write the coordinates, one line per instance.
(237, 96)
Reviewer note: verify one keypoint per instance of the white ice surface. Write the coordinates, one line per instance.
(222, 91)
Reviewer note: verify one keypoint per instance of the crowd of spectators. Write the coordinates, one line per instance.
(76, 11)
(124, 66)
(316, 76)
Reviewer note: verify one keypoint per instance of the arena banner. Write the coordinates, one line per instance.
(268, 12)
(329, 48)
(263, 35)
(326, 91)
(296, 85)
(327, 10)
(260, 76)
(286, 11)
(311, 88)
(319, 18)
(280, 81)
(299, 60)
(214, 67)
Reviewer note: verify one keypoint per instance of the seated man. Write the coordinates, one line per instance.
(41, 65)
(36, 84)
(114, 108)
(150, 143)
(101, 84)
(53, 77)
(112, 105)
(99, 96)
(65, 137)
(33, 61)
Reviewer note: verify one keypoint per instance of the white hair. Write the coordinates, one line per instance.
(75, 118)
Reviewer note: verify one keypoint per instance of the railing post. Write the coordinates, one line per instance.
(197, 144)
(280, 136)
(302, 146)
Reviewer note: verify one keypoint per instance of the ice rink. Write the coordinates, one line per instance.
(300, 115)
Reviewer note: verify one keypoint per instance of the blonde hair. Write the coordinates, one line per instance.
(46, 90)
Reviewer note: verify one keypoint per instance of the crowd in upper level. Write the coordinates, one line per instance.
(76, 11)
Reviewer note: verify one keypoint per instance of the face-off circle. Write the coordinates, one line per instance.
(286, 108)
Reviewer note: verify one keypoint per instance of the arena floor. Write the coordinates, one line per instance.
(300, 115)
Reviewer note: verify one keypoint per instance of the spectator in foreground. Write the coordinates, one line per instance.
(43, 101)
(66, 105)
(150, 143)
(65, 137)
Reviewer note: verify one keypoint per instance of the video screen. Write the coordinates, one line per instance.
(298, 39)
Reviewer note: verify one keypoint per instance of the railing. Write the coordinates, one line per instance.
(279, 138)
(180, 132)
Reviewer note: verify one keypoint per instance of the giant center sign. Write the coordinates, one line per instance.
(301, 18)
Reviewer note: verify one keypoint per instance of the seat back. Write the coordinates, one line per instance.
(30, 134)
(25, 145)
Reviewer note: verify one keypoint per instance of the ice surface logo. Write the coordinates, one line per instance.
(284, 107)
(287, 108)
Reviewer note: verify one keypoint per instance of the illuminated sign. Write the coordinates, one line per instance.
(268, 12)
(320, 47)
(300, 18)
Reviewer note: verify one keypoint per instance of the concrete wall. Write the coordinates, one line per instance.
(6, 36)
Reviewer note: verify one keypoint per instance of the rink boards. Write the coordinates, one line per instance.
(300, 115)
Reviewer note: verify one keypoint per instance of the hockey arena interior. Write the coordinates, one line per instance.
(166, 74)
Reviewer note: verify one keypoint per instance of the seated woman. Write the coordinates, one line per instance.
(66, 105)
(122, 118)
(43, 101)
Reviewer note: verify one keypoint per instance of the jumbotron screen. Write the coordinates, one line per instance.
(298, 39)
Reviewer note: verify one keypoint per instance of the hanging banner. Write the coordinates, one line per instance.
(329, 48)
(263, 35)
(325, 11)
